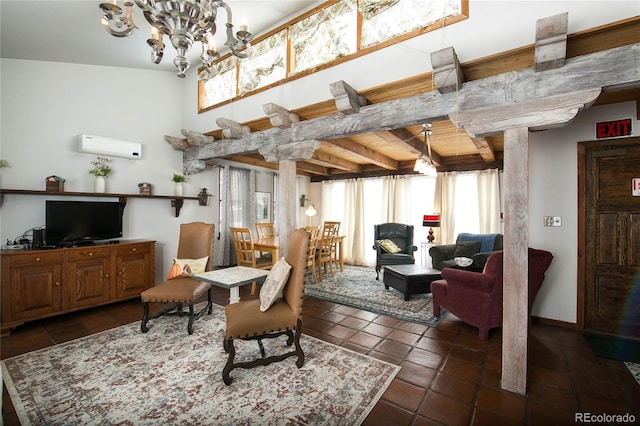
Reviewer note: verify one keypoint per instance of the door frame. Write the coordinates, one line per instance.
(582, 215)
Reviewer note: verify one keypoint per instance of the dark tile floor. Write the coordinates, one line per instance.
(448, 376)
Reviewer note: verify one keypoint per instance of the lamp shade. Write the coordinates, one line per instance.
(431, 220)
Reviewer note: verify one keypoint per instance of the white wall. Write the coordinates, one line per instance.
(45, 105)
(553, 191)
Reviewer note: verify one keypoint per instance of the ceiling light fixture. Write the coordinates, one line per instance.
(183, 21)
(425, 165)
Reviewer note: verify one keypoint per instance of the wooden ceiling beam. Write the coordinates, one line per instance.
(485, 148)
(313, 169)
(332, 161)
(364, 153)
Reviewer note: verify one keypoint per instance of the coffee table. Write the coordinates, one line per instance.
(410, 279)
(233, 278)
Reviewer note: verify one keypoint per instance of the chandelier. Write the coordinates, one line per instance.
(183, 21)
(423, 164)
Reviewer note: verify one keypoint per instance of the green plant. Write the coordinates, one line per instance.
(54, 178)
(4, 163)
(100, 167)
(179, 178)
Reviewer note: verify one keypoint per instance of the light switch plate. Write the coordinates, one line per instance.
(553, 221)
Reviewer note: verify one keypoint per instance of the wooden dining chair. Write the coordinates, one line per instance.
(334, 244)
(326, 250)
(314, 232)
(246, 252)
(265, 230)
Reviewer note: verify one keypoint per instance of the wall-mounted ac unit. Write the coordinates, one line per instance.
(101, 145)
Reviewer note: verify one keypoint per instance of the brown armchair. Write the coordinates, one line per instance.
(476, 297)
(196, 242)
(246, 320)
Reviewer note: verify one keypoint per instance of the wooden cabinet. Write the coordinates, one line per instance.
(42, 283)
(133, 263)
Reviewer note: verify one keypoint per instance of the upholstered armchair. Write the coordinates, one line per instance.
(477, 247)
(401, 251)
(476, 297)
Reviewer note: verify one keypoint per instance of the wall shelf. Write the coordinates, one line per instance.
(176, 202)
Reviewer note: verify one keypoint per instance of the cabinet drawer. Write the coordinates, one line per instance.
(35, 259)
(88, 253)
(129, 249)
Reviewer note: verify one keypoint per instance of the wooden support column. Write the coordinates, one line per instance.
(516, 260)
(287, 202)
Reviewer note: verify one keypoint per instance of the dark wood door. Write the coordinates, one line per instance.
(612, 269)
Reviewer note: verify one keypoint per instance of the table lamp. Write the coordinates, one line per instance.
(432, 221)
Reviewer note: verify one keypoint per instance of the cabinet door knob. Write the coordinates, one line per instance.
(37, 259)
(57, 283)
(134, 249)
(90, 254)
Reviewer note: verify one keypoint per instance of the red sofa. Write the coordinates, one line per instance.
(476, 297)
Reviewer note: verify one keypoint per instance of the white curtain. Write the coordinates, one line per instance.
(396, 190)
(489, 201)
(237, 209)
(444, 204)
(354, 223)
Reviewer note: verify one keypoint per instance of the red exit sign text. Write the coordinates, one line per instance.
(613, 129)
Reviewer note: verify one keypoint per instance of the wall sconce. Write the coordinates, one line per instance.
(204, 197)
(303, 200)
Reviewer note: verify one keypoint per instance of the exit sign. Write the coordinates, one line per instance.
(613, 129)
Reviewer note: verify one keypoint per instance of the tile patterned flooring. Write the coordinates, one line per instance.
(448, 376)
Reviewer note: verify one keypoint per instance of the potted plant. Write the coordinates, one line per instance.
(54, 184)
(178, 180)
(145, 188)
(100, 170)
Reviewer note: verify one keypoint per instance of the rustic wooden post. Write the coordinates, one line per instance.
(287, 202)
(516, 260)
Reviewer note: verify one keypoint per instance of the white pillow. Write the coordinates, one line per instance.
(273, 285)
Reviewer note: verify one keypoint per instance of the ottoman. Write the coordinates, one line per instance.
(410, 279)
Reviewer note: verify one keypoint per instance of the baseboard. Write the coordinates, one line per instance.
(555, 323)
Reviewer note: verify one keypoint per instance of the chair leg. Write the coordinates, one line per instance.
(296, 341)
(145, 317)
(228, 347)
(377, 272)
(191, 315)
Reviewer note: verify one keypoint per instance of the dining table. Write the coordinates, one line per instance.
(269, 245)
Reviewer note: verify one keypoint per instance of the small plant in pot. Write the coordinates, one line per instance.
(178, 179)
(101, 167)
(100, 170)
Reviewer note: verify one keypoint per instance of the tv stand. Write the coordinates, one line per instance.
(38, 284)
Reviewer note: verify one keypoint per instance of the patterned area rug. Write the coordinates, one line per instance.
(635, 370)
(165, 376)
(357, 287)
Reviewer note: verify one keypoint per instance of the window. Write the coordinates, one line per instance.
(330, 34)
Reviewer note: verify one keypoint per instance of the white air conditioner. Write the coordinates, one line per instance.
(101, 145)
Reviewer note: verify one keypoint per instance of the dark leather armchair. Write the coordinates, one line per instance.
(478, 247)
(402, 236)
(476, 298)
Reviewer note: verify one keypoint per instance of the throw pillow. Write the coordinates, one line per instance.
(388, 246)
(467, 248)
(273, 285)
(187, 267)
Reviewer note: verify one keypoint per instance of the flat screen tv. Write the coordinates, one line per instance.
(70, 223)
